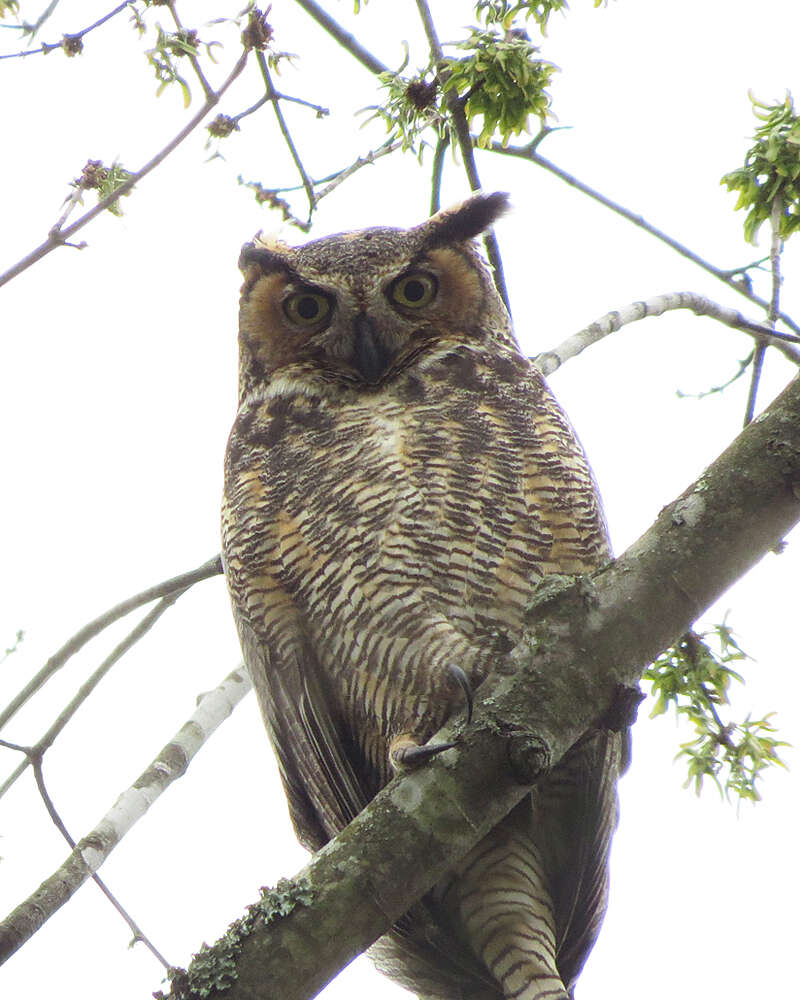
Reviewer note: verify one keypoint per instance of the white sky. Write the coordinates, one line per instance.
(118, 390)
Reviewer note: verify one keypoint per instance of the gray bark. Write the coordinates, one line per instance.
(588, 637)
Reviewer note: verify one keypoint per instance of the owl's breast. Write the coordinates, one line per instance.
(460, 481)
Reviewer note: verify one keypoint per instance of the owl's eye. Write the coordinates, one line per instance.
(307, 308)
(414, 290)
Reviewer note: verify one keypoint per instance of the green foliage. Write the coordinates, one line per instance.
(411, 107)
(694, 678)
(501, 81)
(771, 170)
(162, 57)
(504, 12)
(8, 7)
(213, 968)
(9, 650)
(95, 176)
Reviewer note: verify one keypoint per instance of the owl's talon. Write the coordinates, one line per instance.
(405, 752)
(463, 682)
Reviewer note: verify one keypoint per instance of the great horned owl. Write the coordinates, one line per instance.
(398, 478)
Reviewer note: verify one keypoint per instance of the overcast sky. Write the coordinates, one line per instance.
(118, 390)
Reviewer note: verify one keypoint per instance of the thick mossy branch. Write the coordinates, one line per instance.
(588, 639)
(214, 968)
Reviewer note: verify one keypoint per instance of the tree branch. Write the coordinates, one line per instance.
(58, 237)
(464, 139)
(213, 567)
(528, 152)
(130, 640)
(90, 853)
(72, 35)
(308, 185)
(550, 361)
(138, 934)
(593, 634)
(772, 312)
(347, 41)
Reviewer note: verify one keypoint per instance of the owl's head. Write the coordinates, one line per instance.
(360, 307)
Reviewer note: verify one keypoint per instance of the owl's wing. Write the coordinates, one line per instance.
(585, 821)
(321, 785)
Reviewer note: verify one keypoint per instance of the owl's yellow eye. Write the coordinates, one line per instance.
(414, 290)
(307, 308)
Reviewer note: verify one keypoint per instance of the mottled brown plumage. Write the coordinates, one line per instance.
(397, 480)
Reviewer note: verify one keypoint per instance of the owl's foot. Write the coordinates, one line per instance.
(405, 752)
(462, 680)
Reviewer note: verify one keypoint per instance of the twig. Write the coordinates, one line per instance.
(342, 175)
(772, 312)
(321, 112)
(91, 683)
(207, 89)
(528, 152)
(744, 364)
(44, 16)
(213, 567)
(436, 174)
(72, 35)
(464, 139)
(280, 96)
(550, 361)
(90, 853)
(138, 934)
(347, 41)
(70, 202)
(308, 185)
(59, 237)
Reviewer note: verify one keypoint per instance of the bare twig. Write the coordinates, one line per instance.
(73, 35)
(550, 361)
(90, 853)
(465, 145)
(58, 237)
(334, 180)
(347, 41)
(213, 567)
(272, 95)
(138, 934)
(744, 364)
(321, 112)
(436, 174)
(528, 152)
(91, 683)
(772, 312)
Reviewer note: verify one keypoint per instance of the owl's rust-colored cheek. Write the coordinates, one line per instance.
(262, 327)
(460, 291)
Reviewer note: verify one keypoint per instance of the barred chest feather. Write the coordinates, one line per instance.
(406, 525)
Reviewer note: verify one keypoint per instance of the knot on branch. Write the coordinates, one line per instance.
(553, 586)
(528, 757)
(624, 708)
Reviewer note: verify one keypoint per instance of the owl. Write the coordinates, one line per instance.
(397, 481)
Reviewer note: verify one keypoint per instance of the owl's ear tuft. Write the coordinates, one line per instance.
(267, 256)
(464, 221)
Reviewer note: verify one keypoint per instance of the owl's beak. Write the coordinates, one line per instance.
(370, 357)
